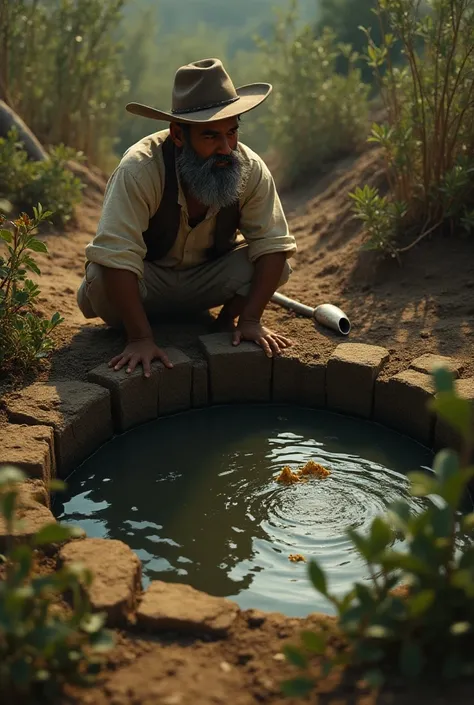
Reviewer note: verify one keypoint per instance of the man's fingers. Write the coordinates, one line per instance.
(122, 361)
(266, 348)
(146, 363)
(283, 342)
(132, 363)
(236, 337)
(115, 359)
(274, 345)
(165, 360)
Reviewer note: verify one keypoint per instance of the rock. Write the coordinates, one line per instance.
(117, 575)
(174, 606)
(296, 382)
(32, 513)
(350, 378)
(445, 435)
(238, 373)
(30, 448)
(401, 402)
(79, 412)
(200, 384)
(427, 362)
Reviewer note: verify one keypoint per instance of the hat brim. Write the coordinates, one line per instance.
(250, 96)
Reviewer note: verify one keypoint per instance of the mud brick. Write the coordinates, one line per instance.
(401, 402)
(298, 382)
(238, 373)
(30, 448)
(79, 412)
(426, 364)
(350, 378)
(174, 389)
(200, 385)
(445, 436)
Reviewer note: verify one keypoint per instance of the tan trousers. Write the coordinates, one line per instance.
(165, 290)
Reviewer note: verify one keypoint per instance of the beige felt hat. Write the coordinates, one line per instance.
(204, 92)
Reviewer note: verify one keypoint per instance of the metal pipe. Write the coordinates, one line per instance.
(325, 314)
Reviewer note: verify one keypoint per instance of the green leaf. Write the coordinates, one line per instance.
(7, 505)
(420, 602)
(460, 628)
(455, 411)
(295, 656)
(92, 623)
(380, 535)
(10, 475)
(37, 245)
(467, 523)
(6, 236)
(55, 533)
(443, 379)
(318, 578)
(374, 678)
(446, 465)
(395, 560)
(316, 643)
(56, 485)
(399, 514)
(297, 687)
(102, 641)
(422, 484)
(378, 631)
(411, 660)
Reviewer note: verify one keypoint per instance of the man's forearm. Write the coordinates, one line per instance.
(267, 275)
(124, 294)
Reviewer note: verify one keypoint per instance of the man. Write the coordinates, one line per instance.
(191, 220)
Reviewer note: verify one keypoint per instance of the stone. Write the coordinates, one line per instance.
(79, 412)
(116, 575)
(401, 403)
(179, 607)
(445, 435)
(350, 377)
(31, 515)
(174, 391)
(427, 362)
(200, 384)
(134, 397)
(30, 448)
(297, 382)
(237, 373)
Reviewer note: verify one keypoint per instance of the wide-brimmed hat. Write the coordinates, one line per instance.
(203, 92)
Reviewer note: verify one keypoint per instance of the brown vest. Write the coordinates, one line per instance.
(164, 225)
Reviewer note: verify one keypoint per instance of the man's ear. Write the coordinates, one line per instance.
(176, 133)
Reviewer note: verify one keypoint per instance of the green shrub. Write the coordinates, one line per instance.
(43, 643)
(430, 629)
(24, 182)
(315, 115)
(25, 337)
(428, 139)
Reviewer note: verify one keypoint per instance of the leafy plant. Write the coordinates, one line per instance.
(315, 114)
(428, 139)
(43, 643)
(428, 625)
(24, 182)
(25, 337)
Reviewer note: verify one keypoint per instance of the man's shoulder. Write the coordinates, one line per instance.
(254, 159)
(144, 154)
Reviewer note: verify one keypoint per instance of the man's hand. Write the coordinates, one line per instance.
(272, 343)
(142, 351)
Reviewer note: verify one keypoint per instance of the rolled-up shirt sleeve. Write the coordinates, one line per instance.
(262, 220)
(126, 212)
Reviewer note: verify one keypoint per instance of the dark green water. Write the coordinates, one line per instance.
(194, 496)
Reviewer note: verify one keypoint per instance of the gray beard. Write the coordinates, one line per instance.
(212, 185)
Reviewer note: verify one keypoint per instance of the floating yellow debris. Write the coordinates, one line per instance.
(312, 468)
(288, 477)
(297, 558)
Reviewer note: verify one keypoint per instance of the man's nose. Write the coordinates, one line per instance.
(223, 147)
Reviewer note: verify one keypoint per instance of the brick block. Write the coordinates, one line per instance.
(350, 377)
(134, 397)
(445, 436)
(297, 382)
(426, 363)
(79, 413)
(174, 389)
(238, 373)
(401, 402)
(200, 384)
(31, 515)
(30, 448)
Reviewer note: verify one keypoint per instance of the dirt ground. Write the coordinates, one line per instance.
(425, 305)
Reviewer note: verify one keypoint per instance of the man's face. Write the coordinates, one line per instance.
(215, 138)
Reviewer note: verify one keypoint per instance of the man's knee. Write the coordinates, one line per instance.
(92, 297)
(243, 275)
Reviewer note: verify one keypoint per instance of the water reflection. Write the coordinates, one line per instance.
(194, 497)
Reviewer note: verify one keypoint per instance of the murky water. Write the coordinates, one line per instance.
(194, 496)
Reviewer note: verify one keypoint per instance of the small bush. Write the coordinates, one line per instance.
(24, 182)
(428, 139)
(315, 115)
(43, 643)
(431, 628)
(25, 337)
